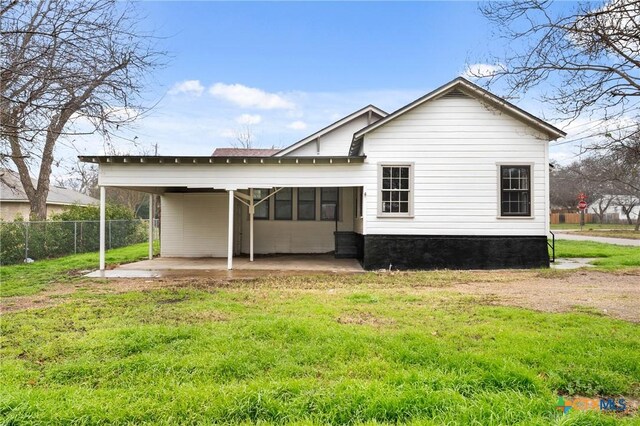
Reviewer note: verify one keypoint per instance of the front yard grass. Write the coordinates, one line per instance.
(609, 256)
(324, 349)
(278, 353)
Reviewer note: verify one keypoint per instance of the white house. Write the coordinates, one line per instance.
(15, 204)
(456, 179)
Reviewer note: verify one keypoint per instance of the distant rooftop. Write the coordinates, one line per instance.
(11, 191)
(244, 152)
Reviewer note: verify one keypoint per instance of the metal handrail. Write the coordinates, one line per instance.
(553, 246)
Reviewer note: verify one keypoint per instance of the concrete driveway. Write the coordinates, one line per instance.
(568, 235)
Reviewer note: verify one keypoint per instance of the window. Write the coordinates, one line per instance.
(283, 205)
(395, 190)
(328, 203)
(306, 204)
(261, 210)
(515, 191)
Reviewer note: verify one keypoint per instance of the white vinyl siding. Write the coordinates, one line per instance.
(336, 142)
(194, 225)
(455, 144)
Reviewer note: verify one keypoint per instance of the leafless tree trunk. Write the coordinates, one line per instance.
(603, 203)
(66, 68)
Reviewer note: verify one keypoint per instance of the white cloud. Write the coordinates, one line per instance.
(474, 71)
(297, 125)
(249, 97)
(190, 87)
(249, 119)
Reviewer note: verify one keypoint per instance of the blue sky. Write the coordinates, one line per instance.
(285, 69)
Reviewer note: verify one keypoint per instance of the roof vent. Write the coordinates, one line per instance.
(455, 93)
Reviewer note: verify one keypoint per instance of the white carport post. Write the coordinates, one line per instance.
(150, 226)
(230, 239)
(252, 210)
(103, 217)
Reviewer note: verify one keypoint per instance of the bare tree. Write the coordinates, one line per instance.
(565, 185)
(82, 177)
(617, 170)
(581, 176)
(66, 68)
(588, 59)
(628, 204)
(244, 137)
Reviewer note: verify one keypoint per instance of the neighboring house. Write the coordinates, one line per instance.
(459, 178)
(14, 202)
(617, 207)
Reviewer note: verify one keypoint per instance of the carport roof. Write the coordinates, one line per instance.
(219, 160)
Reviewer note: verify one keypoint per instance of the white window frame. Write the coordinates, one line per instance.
(409, 213)
(499, 190)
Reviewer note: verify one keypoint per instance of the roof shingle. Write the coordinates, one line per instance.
(244, 152)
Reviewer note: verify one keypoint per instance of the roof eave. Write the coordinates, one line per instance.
(137, 160)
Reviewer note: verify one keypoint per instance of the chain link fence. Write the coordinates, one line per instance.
(37, 240)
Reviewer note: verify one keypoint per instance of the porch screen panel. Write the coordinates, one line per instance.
(261, 210)
(306, 203)
(328, 203)
(283, 204)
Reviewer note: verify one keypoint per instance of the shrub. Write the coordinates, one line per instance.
(75, 230)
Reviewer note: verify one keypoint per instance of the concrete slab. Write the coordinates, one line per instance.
(572, 263)
(178, 266)
(124, 273)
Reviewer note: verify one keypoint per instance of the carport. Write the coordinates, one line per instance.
(204, 198)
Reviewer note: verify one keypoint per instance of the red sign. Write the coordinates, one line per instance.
(582, 205)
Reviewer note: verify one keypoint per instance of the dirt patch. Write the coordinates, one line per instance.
(611, 294)
(364, 318)
(614, 294)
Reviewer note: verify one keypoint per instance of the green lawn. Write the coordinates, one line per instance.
(368, 348)
(610, 256)
(30, 278)
(277, 350)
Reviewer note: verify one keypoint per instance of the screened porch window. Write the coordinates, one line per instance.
(306, 204)
(328, 203)
(261, 210)
(515, 190)
(283, 204)
(395, 190)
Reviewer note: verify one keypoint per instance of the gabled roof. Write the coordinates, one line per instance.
(369, 108)
(11, 191)
(244, 152)
(466, 87)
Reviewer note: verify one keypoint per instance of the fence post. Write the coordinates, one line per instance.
(26, 240)
(75, 237)
(110, 246)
